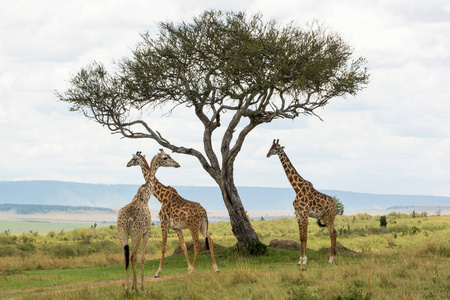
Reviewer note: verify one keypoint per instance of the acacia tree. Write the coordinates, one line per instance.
(255, 71)
(339, 206)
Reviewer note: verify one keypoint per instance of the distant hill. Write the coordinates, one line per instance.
(254, 198)
(29, 209)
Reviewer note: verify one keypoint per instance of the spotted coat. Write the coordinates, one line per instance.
(308, 203)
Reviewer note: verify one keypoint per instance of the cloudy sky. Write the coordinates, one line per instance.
(392, 138)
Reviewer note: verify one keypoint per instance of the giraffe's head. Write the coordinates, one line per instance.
(275, 149)
(137, 160)
(162, 159)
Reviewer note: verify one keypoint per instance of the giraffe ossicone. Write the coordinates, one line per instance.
(308, 203)
(134, 219)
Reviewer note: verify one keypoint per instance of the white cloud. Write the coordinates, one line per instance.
(393, 137)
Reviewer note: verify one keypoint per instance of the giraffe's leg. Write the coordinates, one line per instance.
(144, 245)
(197, 246)
(183, 247)
(134, 255)
(302, 220)
(164, 228)
(123, 238)
(211, 250)
(333, 235)
(209, 241)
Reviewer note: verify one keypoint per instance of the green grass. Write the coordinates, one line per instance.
(409, 259)
(391, 275)
(16, 227)
(242, 267)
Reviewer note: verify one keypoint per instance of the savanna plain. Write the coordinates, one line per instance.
(406, 259)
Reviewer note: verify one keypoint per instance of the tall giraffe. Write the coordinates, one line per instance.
(134, 219)
(308, 203)
(178, 213)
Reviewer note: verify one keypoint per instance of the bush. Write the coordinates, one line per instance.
(26, 238)
(383, 221)
(6, 239)
(7, 251)
(339, 206)
(413, 230)
(28, 248)
(61, 250)
(106, 246)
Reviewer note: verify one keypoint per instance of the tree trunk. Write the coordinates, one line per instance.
(240, 224)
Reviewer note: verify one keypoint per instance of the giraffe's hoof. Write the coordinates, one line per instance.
(157, 276)
(191, 270)
(302, 261)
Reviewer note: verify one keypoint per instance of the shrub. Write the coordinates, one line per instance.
(6, 239)
(7, 251)
(339, 206)
(413, 230)
(28, 248)
(61, 250)
(383, 221)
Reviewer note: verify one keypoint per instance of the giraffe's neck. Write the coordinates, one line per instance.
(146, 171)
(162, 192)
(294, 178)
(145, 191)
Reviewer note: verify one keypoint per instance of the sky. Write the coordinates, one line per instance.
(393, 137)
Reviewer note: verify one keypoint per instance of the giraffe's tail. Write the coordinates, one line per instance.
(127, 256)
(206, 243)
(320, 224)
(204, 230)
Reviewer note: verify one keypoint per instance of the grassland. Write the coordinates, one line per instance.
(17, 227)
(408, 259)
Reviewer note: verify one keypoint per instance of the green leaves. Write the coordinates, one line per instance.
(225, 61)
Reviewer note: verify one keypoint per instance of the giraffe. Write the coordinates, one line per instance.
(178, 213)
(134, 219)
(308, 203)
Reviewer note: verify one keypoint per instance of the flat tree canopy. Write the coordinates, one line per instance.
(255, 71)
